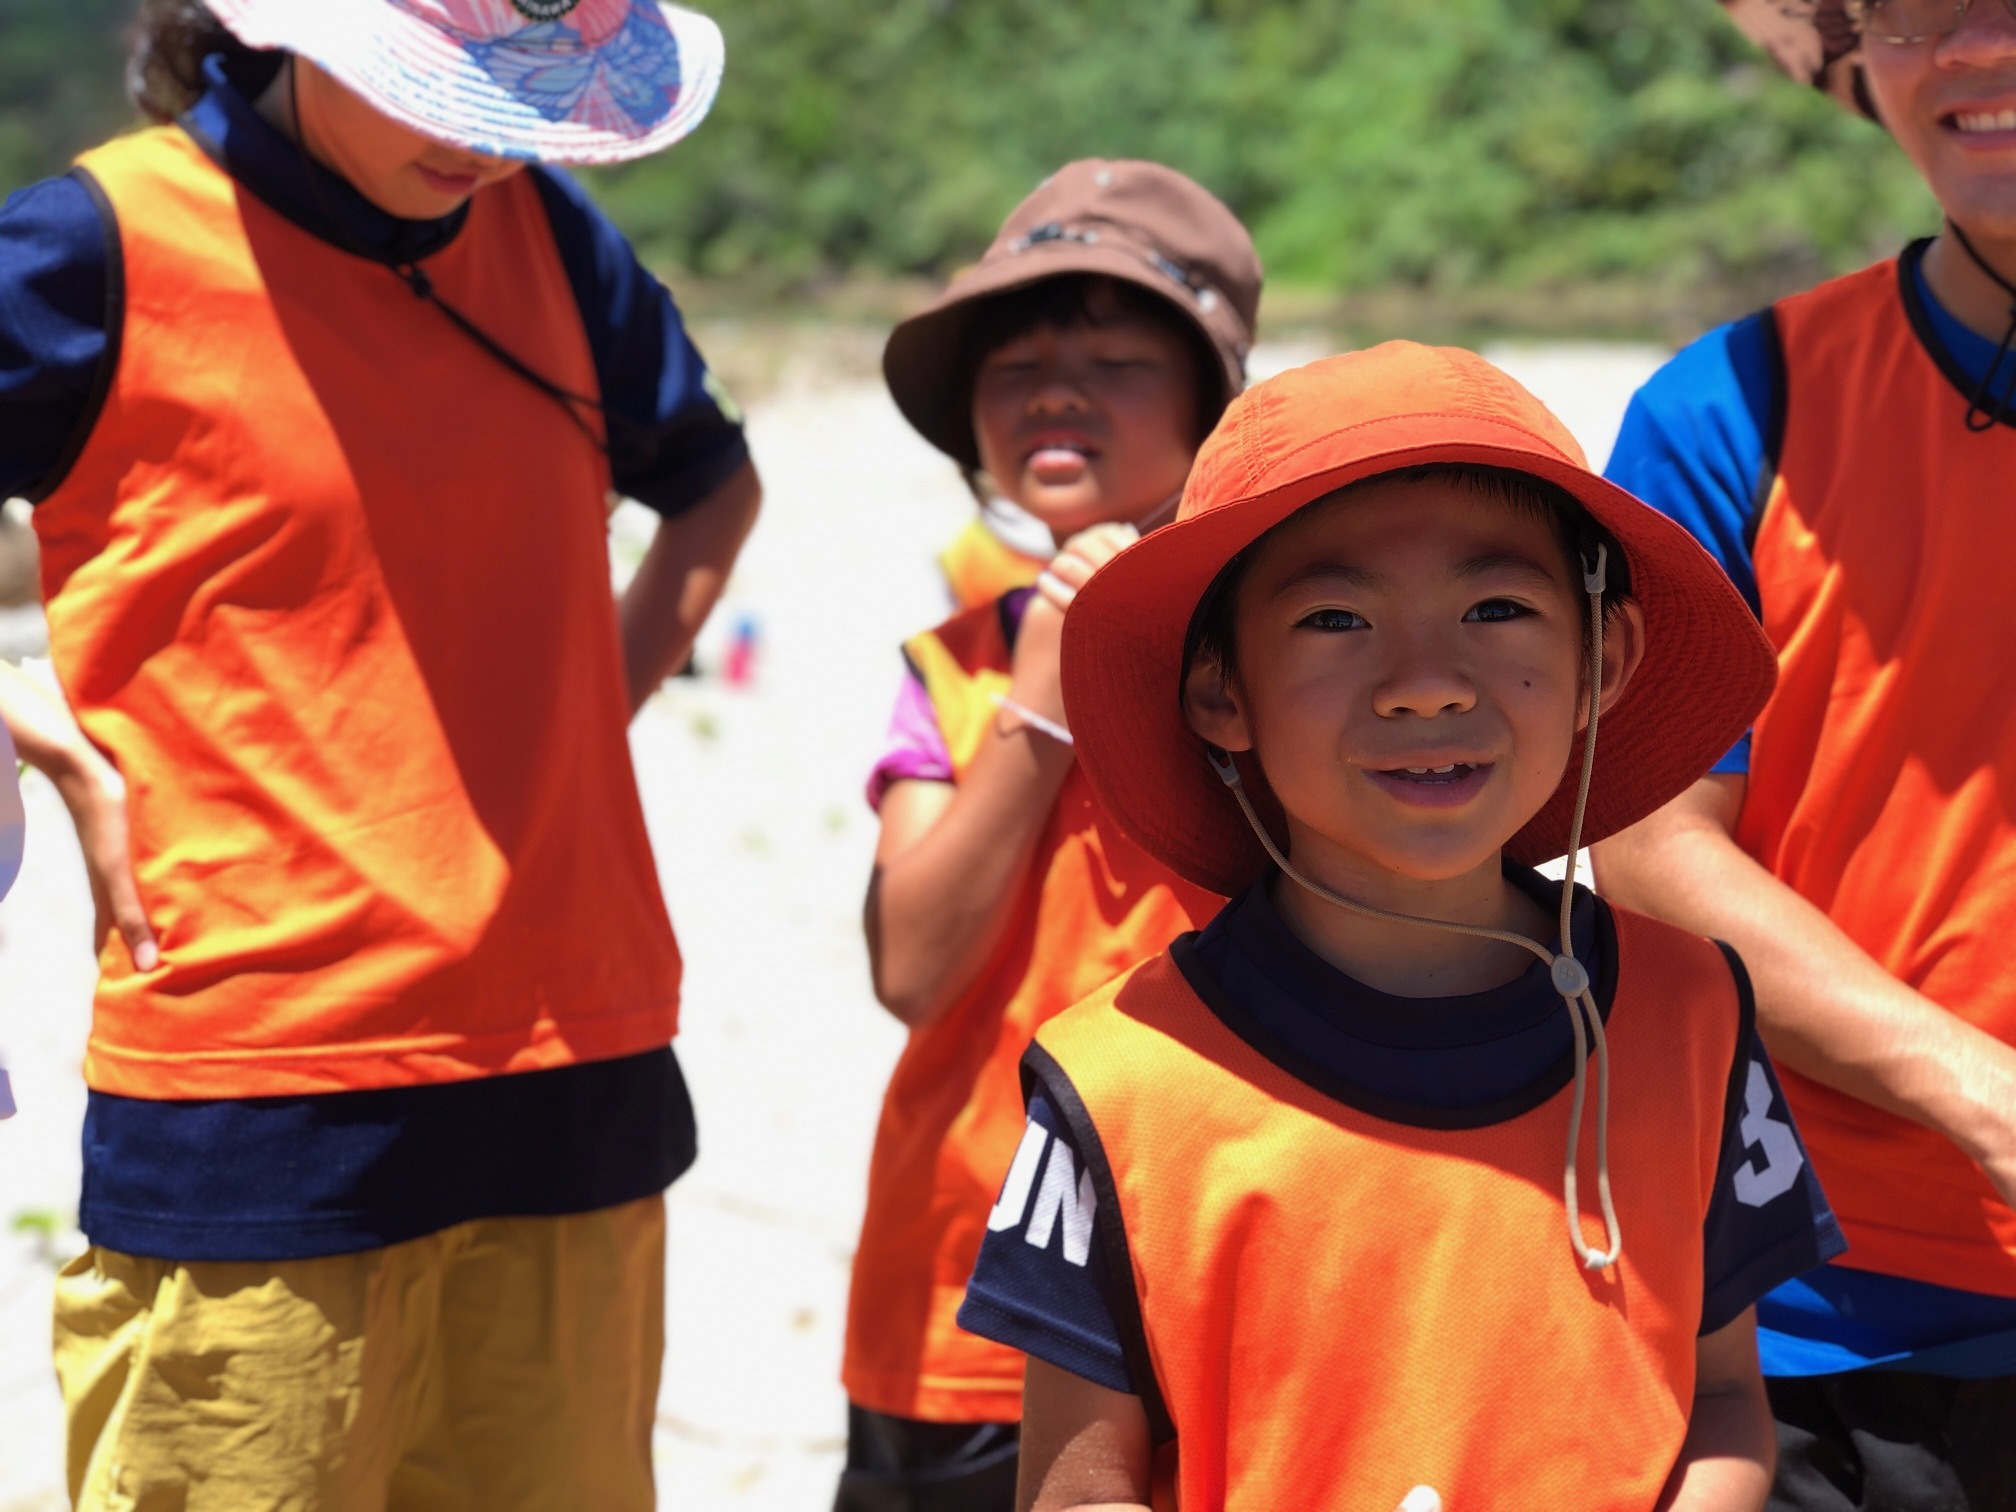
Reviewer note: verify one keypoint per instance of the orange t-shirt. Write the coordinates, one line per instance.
(979, 566)
(1883, 771)
(1092, 904)
(329, 584)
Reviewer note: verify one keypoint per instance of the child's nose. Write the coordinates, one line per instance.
(1059, 390)
(1424, 684)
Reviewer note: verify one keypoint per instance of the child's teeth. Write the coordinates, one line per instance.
(1449, 768)
(1419, 771)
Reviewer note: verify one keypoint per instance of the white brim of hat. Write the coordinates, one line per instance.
(420, 76)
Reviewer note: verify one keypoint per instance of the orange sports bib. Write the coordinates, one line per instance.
(979, 566)
(1883, 771)
(1335, 1308)
(1093, 905)
(329, 584)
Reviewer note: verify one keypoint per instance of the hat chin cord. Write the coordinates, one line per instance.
(1571, 980)
(1159, 513)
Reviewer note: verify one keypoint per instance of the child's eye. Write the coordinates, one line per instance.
(1334, 619)
(1492, 611)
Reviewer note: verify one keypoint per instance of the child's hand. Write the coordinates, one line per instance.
(1038, 683)
(49, 739)
(1084, 554)
(97, 803)
(1421, 1499)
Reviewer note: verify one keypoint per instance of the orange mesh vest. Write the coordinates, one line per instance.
(1334, 1308)
(1883, 771)
(1093, 904)
(329, 584)
(979, 566)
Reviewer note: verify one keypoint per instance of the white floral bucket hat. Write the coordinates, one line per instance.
(556, 81)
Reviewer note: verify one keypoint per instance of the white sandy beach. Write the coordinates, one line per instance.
(763, 842)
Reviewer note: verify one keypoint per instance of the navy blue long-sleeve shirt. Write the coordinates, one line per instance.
(289, 1177)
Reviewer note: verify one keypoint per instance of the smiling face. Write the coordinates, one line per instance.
(400, 171)
(1951, 103)
(1091, 421)
(1409, 664)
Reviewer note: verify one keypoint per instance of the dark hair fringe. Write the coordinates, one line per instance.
(1210, 636)
(171, 38)
(1064, 301)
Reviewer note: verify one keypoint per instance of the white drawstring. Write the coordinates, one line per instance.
(1570, 978)
(1031, 718)
(1159, 513)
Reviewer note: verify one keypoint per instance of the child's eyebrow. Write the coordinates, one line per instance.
(1490, 563)
(1348, 574)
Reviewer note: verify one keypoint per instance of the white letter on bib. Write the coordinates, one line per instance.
(1021, 1176)
(1073, 1198)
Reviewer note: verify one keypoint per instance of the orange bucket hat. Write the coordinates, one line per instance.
(1707, 671)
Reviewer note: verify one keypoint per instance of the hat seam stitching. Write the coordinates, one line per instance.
(1255, 473)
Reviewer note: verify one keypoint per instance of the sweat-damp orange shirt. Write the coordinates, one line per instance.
(329, 584)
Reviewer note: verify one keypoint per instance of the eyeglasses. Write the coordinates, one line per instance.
(1902, 21)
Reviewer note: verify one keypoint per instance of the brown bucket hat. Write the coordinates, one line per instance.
(1138, 222)
(1817, 42)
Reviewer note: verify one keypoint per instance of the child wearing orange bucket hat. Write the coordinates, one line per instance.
(1078, 365)
(1286, 1227)
(320, 387)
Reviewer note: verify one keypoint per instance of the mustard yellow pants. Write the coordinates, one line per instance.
(501, 1365)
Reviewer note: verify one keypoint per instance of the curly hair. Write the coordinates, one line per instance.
(171, 38)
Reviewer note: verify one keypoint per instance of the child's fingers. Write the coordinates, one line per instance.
(1066, 574)
(1421, 1499)
(1081, 556)
(1101, 543)
(1089, 550)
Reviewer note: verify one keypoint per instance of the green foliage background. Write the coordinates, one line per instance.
(1522, 148)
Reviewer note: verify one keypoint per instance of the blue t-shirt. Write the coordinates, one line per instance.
(1042, 1286)
(278, 1178)
(1699, 443)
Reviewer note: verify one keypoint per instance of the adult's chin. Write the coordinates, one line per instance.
(1978, 196)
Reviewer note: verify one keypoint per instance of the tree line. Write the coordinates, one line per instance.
(1468, 146)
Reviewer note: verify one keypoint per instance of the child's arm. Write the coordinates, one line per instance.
(680, 579)
(1830, 1010)
(1083, 1447)
(1731, 1449)
(950, 858)
(48, 737)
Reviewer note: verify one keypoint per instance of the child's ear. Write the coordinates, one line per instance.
(1211, 706)
(1623, 650)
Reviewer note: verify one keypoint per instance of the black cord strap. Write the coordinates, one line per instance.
(423, 288)
(1981, 415)
(415, 278)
